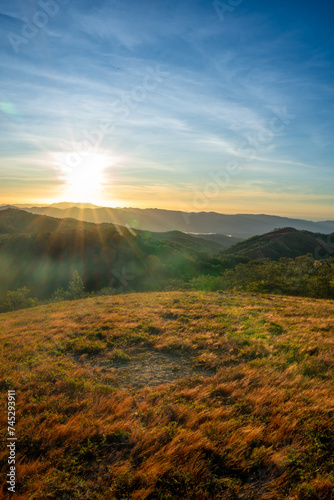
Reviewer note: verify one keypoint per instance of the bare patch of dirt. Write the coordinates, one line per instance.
(151, 369)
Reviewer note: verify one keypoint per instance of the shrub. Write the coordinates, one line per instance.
(19, 299)
(60, 294)
(203, 283)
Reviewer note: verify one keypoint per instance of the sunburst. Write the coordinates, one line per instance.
(85, 181)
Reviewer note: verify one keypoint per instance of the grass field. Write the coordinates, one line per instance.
(171, 395)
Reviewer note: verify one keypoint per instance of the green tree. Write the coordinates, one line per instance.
(76, 288)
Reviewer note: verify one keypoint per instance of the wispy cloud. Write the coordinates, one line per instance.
(224, 81)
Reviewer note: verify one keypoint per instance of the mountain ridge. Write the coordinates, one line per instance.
(160, 220)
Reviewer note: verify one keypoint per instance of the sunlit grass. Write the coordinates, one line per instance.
(172, 395)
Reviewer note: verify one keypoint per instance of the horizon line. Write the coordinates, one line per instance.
(94, 207)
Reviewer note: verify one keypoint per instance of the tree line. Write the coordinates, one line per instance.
(303, 276)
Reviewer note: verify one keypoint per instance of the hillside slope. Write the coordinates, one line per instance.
(15, 221)
(171, 395)
(212, 243)
(285, 242)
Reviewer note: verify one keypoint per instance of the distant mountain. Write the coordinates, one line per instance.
(66, 205)
(286, 242)
(238, 226)
(5, 207)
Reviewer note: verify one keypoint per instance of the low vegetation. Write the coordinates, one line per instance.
(303, 276)
(171, 395)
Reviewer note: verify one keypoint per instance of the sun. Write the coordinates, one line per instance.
(85, 180)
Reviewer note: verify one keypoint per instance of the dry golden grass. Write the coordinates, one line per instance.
(171, 395)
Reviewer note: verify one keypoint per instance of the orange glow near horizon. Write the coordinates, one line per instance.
(91, 185)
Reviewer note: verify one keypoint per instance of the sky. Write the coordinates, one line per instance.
(222, 106)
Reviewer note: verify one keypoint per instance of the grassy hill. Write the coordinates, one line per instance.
(285, 242)
(171, 395)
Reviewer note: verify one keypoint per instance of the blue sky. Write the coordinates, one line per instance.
(186, 105)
